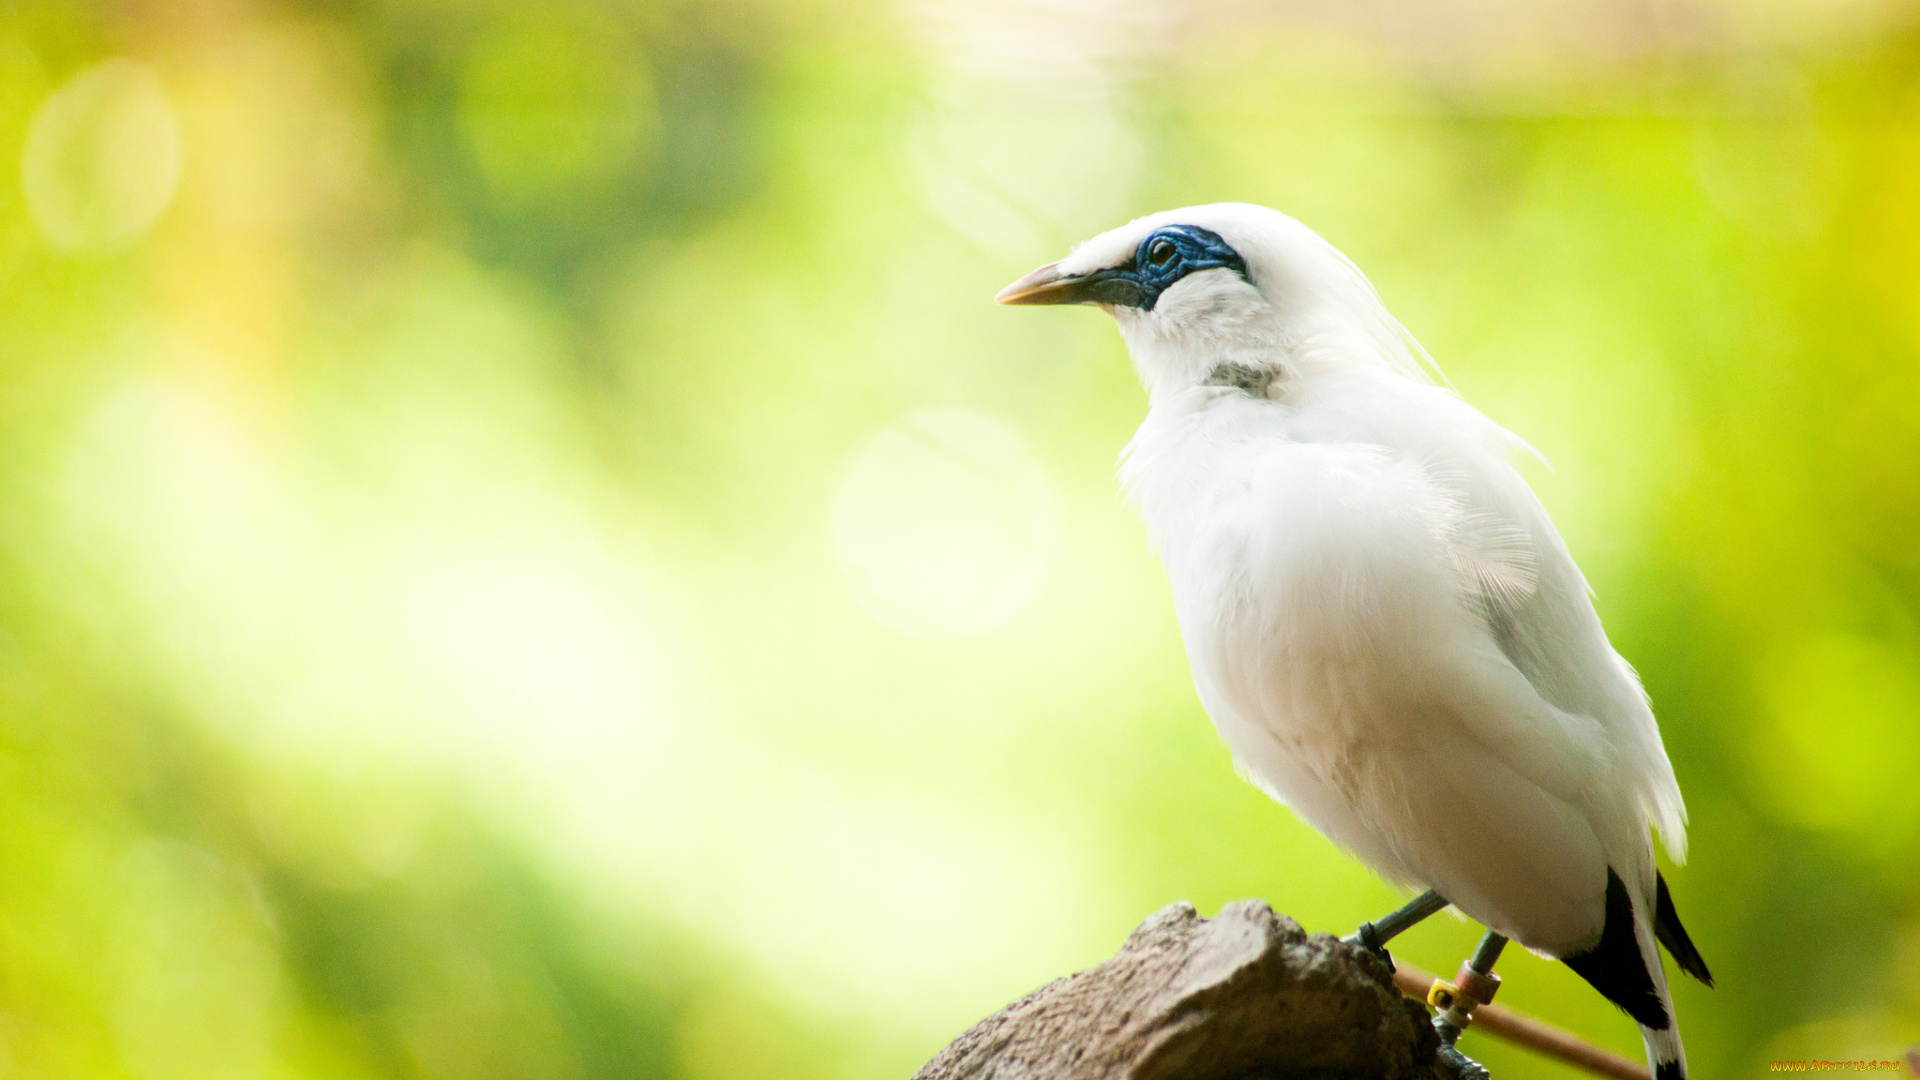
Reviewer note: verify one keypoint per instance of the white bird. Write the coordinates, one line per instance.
(1383, 623)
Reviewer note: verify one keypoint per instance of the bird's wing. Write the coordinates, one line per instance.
(1356, 682)
(1539, 610)
(1368, 565)
(1516, 572)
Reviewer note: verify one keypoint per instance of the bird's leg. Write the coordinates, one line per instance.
(1473, 987)
(1373, 936)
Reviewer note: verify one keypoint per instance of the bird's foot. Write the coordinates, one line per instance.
(1477, 985)
(1461, 1065)
(1368, 938)
(1373, 936)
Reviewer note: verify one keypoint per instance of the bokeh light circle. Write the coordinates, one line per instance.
(944, 524)
(102, 158)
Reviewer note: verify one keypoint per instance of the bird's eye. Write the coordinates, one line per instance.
(1161, 253)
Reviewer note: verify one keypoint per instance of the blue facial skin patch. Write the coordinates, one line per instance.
(1162, 259)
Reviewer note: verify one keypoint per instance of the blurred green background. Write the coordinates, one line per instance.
(526, 550)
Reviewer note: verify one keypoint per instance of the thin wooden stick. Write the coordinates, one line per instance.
(1537, 1036)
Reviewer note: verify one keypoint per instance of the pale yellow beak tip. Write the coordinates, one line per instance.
(1026, 290)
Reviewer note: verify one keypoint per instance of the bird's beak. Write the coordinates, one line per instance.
(1046, 285)
(1114, 287)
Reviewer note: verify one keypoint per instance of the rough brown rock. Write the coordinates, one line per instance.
(1246, 995)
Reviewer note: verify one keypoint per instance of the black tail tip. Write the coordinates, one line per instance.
(1615, 966)
(1666, 927)
(1669, 1070)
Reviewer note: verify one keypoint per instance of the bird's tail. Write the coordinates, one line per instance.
(1665, 1056)
(1625, 967)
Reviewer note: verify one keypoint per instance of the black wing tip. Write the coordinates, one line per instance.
(1615, 967)
(1666, 927)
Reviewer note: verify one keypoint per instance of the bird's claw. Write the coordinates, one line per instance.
(1463, 1066)
(1368, 938)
